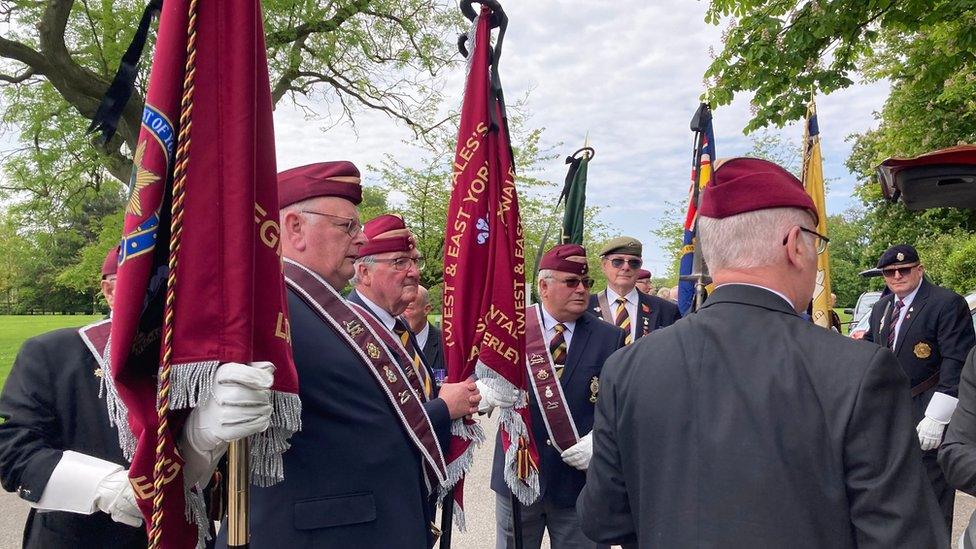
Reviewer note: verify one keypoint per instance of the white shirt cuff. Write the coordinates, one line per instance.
(941, 407)
(73, 485)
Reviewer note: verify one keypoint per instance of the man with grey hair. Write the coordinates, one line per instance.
(745, 425)
(428, 335)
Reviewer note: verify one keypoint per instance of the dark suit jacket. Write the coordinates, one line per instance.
(935, 336)
(50, 404)
(593, 341)
(652, 312)
(745, 425)
(433, 349)
(352, 476)
(957, 455)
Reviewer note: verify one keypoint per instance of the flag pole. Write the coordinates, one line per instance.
(238, 484)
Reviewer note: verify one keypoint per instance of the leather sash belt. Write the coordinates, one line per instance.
(359, 335)
(932, 381)
(96, 337)
(545, 384)
(605, 307)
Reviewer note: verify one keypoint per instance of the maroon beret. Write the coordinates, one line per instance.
(643, 274)
(111, 264)
(387, 233)
(339, 179)
(567, 258)
(741, 185)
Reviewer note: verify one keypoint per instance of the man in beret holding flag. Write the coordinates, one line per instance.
(565, 351)
(621, 304)
(361, 471)
(930, 331)
(745, 425)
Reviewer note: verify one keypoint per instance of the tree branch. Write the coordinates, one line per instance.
(343, 14)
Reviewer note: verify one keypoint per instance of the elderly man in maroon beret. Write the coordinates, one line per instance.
(745, 425)
(565, 348)
(366, 462)
(644, 284)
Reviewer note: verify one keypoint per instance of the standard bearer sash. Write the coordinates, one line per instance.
(394, 345)
(548, 391)
(605, 307)
(96, 338)
(365, 341)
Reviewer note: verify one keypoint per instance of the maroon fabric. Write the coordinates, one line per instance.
(339, 178)
(111, 264)
(744, 184)
(555, 259)
(229, 303)
(387, 233)
(643, 274)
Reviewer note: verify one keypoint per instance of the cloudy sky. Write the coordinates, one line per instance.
(627, 72)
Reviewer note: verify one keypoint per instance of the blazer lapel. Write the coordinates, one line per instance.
(913, 311)
(576, 348)
(646, 316)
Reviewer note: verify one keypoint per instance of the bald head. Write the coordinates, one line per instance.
(418, 309)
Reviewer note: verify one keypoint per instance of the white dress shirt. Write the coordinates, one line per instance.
(632, 300)
(549, 328)
(422, 335)
(907, 300)
(385, 317)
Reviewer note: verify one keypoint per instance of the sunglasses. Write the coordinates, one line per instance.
(632, 263)
(901, 271)
(575, 282)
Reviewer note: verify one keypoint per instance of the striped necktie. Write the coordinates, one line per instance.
(623, 319)
(557, 348)
(893, 322)
(400, 329)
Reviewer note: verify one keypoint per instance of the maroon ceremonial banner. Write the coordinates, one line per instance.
(227, 291)
(484, 277)
(545, 384)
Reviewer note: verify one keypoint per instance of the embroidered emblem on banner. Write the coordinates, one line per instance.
(536, 359)
(542, 375)
(390, 376)
(594, 388)
(549, 392)
(404, 397)
(922, 350)
(373, 350)
(353, 328)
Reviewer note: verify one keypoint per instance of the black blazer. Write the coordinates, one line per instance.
(745, 425)
(652, 312)
(433, 348)
(936, 335)
(593, 341)
(352, 476)
(50, 404)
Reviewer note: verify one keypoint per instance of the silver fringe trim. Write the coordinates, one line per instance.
(191, 383)
(118, 414)
(528, 491)
(267, 447)
(196, 513)
(472, 43)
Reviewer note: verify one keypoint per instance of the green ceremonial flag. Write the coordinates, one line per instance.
(575, 195)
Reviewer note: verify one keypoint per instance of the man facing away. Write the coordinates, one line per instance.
(428, 335)
(565, 349)
(745, 425)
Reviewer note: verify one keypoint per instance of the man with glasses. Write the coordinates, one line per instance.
(621, 304)
(930, 331)
(361, 471)
(565, 349)
(745, 425)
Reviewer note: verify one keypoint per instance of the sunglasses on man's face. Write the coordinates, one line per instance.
(575, 282)
(618, 262)
(900, 271)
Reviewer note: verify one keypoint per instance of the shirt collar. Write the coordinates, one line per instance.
(631, 296)
(548, 321)
(385, 317)
(424, 332)
(783, 297)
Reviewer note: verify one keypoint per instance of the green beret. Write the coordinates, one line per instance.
(622, 245)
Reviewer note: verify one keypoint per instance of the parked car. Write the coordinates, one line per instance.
(858, 330)
(863, 306)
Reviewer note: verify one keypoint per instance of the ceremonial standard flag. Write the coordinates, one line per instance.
(813, 181)
(701, 174)
(574, 192)
(224, 296)
(484, 273)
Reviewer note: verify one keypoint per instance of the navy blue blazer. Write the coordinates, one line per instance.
(353, 478)
(593, 341)
(652, 312)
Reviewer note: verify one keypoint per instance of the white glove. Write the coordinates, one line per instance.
(937, 416)
(240, 406)
(490, 398)
(579, 454)
(115, 497)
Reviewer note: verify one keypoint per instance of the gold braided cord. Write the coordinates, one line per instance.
(176, 233)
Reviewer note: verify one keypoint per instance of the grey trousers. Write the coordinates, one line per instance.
(563, 526)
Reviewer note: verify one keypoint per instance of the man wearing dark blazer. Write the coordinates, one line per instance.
(577, 345)
(621, 304)
(428, 335)
(930, 330)
(745, 425)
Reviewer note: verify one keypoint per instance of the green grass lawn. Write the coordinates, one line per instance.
(14, 329)
(845, 319)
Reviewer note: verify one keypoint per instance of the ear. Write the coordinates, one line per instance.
(796, 249)
(363, 276)
(293, 231)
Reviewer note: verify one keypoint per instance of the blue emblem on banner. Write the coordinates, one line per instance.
(141, 240)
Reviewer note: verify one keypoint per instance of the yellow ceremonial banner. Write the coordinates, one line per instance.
(813, 182)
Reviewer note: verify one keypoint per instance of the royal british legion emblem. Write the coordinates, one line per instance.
(922, 350)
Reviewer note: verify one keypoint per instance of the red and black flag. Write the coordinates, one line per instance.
(199, 279)
(484, 266)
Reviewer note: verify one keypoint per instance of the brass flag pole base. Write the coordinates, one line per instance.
(238, 479)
